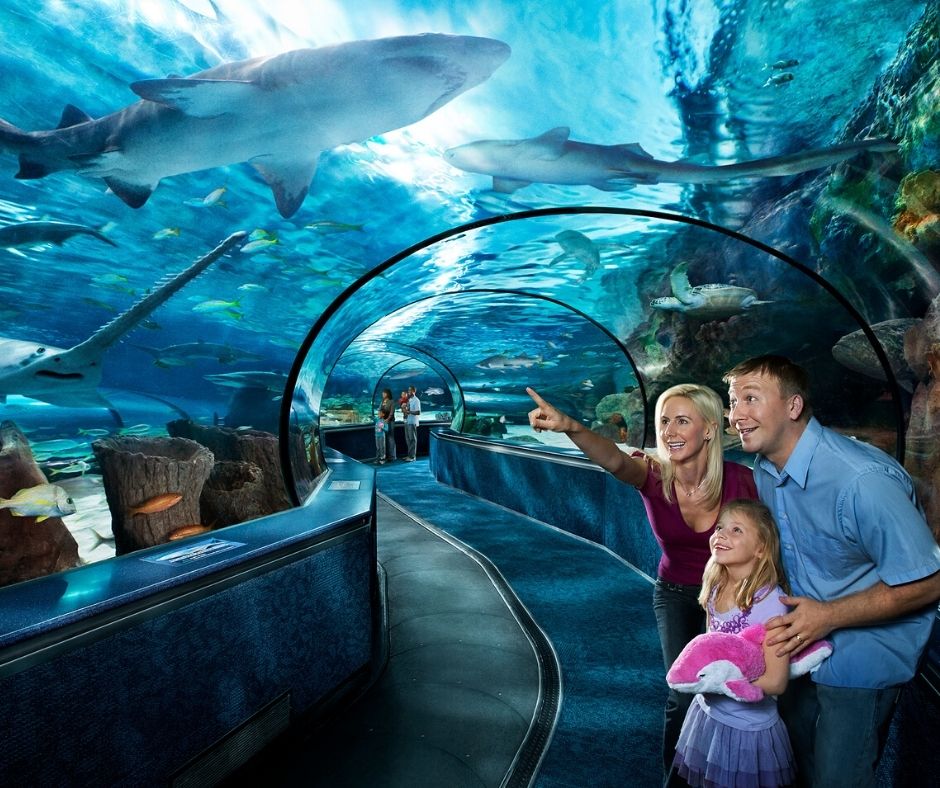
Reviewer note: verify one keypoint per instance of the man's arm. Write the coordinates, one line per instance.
(811, 620)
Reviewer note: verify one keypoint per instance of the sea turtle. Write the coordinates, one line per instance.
(705, 302)
(855, 351)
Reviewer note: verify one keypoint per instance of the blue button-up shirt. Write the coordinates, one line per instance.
(848, 517)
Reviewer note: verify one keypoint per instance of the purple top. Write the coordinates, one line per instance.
(685, 551)
(744, 716)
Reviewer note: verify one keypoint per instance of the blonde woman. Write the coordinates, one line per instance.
(683, 488)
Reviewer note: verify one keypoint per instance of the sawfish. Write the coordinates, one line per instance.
(277, 113)
(554, 158)
(70, 377)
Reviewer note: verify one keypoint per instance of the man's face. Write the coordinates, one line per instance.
(762, 415)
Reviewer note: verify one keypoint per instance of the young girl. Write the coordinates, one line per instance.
(725, 742)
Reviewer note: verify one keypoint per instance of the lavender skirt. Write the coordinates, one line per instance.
(716, 755)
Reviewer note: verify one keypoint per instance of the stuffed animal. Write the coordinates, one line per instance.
(728, 664)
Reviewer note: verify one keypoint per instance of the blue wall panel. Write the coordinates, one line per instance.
(135, 706)
(577, 498)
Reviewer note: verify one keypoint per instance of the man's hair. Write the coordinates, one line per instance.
(791, 378)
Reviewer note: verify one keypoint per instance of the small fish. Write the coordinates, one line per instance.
(110, 279)
(95, 432)
(98, 304)
(252, 287)
(212, 198)
(256, 246)
(42, 501)
(107, 541)
(159, 503)
(167, 232)
(79, 466)
(782, 65)
(216, 305)
(434, 392)
(57, 446)
(779, 79)
(136, 429)
(587, 384)
(188, 530)
(328, 226)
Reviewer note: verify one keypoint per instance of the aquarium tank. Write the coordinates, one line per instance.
(226, 226)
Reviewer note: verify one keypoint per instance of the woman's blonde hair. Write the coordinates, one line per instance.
(768, 572)
(710, 408)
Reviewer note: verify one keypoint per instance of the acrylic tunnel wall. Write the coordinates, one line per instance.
(599, 309)
(452, 125)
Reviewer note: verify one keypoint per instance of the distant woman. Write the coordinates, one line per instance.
(385, 429)
(683, 488)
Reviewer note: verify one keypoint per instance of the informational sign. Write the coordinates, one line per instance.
(342, 484)
(193, 552)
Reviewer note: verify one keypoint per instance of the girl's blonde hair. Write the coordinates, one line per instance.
(768, 571)
(710, 408)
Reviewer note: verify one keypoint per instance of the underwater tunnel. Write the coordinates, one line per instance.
(226, 227)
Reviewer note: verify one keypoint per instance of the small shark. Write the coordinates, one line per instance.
(554, 158)
(29, 233)
(277, 113)
(70, 378)
(180, 355)
(502, 361)
(252, 379)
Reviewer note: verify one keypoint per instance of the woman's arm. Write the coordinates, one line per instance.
(601, 450)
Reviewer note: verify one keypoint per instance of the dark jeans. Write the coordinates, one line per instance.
(837, 733)
(391, 451)
(411, 439)
(679, 618)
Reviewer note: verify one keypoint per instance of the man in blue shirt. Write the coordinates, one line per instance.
(411, 424)
(862, 563)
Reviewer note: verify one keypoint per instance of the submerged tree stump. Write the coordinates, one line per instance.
(253, 446)
(153, 486)
(28, 548)
(234, 493)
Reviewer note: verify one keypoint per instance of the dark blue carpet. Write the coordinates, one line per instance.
(595, 610)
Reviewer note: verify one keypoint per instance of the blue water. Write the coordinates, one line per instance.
(698, 81)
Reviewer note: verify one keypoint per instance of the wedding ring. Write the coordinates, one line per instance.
(799, 638)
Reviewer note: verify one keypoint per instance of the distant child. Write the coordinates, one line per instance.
(726, 742)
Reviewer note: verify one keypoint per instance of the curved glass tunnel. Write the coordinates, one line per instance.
(654, 111)
(600, 311)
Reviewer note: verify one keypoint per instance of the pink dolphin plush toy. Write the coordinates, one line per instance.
(728, 664)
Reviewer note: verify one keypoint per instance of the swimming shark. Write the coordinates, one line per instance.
(70, 377)
(554, 158)
(29, 233)
(276, 113)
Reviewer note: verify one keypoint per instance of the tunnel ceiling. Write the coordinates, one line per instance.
(808, 127)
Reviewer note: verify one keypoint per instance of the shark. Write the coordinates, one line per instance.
(277, 113)
(70, 377)
(30, 233)
(554, 158)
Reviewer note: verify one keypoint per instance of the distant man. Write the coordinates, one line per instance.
(411, 424)
(862, 563)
